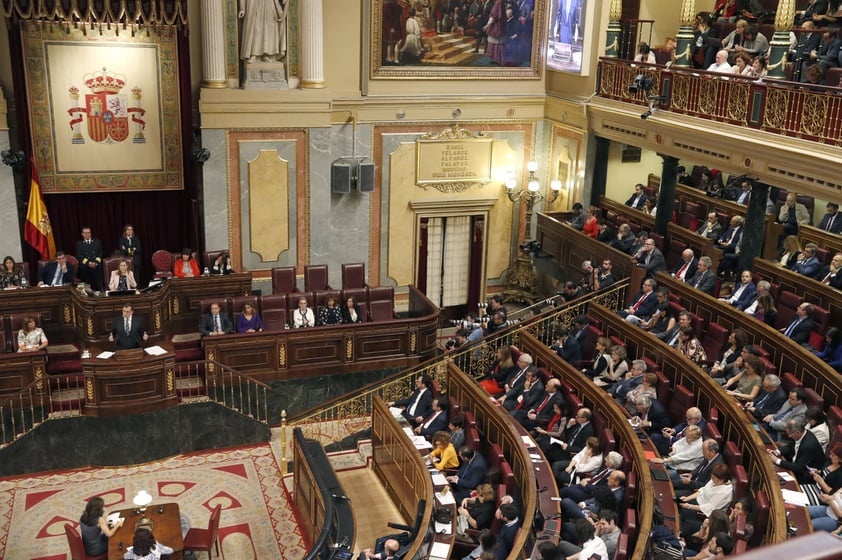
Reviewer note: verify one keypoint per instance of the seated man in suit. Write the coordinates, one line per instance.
(508, 514)
(668, 436)
(802, 325)
(127, 330)
(686, 269)
(514, 384)
(470, 474)
(728, 241)
(651, 416)
(775, 422)
(637, 198)
(419, 404)
(831, 221)
(540, 414)
(215, 323)
(651, 258)
(704, 279)
(389, 550)
(793, 214)
(609, 496)
(58, 272)
(808, 264)
(632, 379)
(743, 293)
(832, 275)
(809, 454)
(770, 399)
(583, 490)
(579, 429)
(624, 239)
(530, 394)
(688, 483)
(711, 229)
(644, 304)
(436, 421)
(567, 347)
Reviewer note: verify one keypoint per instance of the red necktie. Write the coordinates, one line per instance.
(543, 404)
(826, 279)
(639, 302)
(682, 270)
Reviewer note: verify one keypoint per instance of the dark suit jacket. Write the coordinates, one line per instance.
(437, 425)
(132, 249)
(621, 388)
(801, 333)
(533, 396)
(346, 316)
(425, 405)
(88, 252)
(658, 417)
(834, 282)
(206, 326)
(683, 426)
(727, 235)
(770, 404)
(515, 383)
(711, 233)
(746, 298)
(471, 474)
(649, 305)
(577, 443)
(507, 536)
(624, 244)
(49, 272)
(837, 223)
(809, 268)
(701, 474)
(636, 203)
(704, 281)
(656, 262)
(133, 338)
(546, 413)
(570, 352)
(809, 454)
(691, 268)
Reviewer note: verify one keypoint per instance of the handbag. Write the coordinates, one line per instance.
(443, 515)
(538, 521)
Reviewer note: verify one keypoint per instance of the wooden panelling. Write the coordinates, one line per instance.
(811, 290)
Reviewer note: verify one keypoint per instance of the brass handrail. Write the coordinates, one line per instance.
(333, 422)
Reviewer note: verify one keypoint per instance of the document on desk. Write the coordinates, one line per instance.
(104, 355)
(396, 412)
(439, 479)
(408, 431)
(554, 441)
(420, 443)
(527, 441)
(155, 351)
(795, 498)
(444, 528)
(439, 550)
(113, 518)
(445, 499)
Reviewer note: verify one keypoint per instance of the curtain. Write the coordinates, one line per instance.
(457, 261)
(435, 246)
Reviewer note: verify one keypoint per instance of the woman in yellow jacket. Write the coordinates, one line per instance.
(443, 454)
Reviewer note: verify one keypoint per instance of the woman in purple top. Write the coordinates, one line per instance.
(249, 321)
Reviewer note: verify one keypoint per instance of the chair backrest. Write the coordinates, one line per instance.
(740, 482)
(761, 517)
(74, 541)
(237, 304)
(208, 257)
(353, 275)
(16, 322)
(213, 524)
(316, 277)
(111, 264)
(715, 337)
(787, 303)
(162, 262)
(630, 495)
(821, 318)
(712, 432)
(283, 280)
(3, 341)
(608, 440)
(224, 306)
(622, 552)
(732, 455)
(381, 303)
(682, 399)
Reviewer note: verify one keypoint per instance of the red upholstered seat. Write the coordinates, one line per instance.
(608, 440)
(353, 275)
(283, 280)
(761, 517)
(237, 304)
(201, 540)
(381, 303)
(622, 552)
(316, 277)
(712, 432)
(682, 399)
(111, 264)
(732, 455)
(787, 303)
(77, 548)
(821, 318)
(716, 337)
(162, 262)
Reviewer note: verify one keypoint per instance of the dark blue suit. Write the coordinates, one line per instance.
(809, 267)
(49, 272)
(836, 227)
(646, 308)
(746, 297)
(768, 403)
(439, 424)
(570, 351)
(470, 475)
(723, 243)
(422, 409)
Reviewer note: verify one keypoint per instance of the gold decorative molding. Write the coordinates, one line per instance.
(453, 132)
(170, 380)
(157, 319)
(615, 12)
(282, 356)
(413, 342)
(349, 349)
(268, 184)
(688, 12)
(89, 325)
(39, 378)
(784, 15)
(89, 389)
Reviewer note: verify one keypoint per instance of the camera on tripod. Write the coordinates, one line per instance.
(531, 246)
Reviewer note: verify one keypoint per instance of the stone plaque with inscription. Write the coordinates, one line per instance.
(453, 160)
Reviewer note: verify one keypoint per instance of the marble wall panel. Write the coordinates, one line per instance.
(9, 244)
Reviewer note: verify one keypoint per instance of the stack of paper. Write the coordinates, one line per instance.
(445, 499)
(795, 498)
(439, 479)
(439, 551)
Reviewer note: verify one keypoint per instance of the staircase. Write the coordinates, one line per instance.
(449, 49)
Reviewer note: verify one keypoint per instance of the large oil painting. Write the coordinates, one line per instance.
(567, 43)
(466, 39)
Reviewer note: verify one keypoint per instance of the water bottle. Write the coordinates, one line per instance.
(286, 326)
(206, 272)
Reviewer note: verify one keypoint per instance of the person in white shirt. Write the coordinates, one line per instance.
(592, 546)
(721, 64)
(716, 494)
(303, 316)
(644, 54)
(144, 547)
(686, 452)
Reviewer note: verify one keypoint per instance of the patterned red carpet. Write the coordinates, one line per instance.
(257, 521)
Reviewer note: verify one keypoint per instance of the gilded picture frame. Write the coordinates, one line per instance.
(456, 39)
(104, 107)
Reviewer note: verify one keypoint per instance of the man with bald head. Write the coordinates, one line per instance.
(542, 412)
(687, 267)
(668, 436)
(721, 64)
(390, 549)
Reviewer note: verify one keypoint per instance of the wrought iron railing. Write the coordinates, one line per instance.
(236, 391)
(333, 422)
(777, 106)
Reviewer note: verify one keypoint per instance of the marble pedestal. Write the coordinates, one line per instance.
(264, 75)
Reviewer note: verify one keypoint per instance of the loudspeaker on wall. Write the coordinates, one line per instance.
(365, 176)
(340, 177)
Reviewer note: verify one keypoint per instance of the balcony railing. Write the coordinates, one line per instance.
(791, 109)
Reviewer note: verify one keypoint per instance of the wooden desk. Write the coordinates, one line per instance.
(167, 530)
(570, 248)
(824, 239)
(131, 382)
(19, 369)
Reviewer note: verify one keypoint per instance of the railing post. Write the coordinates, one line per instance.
(612, 39)
(780, 41)
(284, 441)
(685, 38)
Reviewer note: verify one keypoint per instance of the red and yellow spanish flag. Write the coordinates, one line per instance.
(38, 232)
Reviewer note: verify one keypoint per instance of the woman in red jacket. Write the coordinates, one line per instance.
(186, 266)
(591, 226)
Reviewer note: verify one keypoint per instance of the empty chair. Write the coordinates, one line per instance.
(381, 303)
(353, 276)
(316, 277)
(682, 399)
(77, 547)
(162, 262)
(716, 336)
(201, 540)
(283, 280)
(822, 320)
(274, 312)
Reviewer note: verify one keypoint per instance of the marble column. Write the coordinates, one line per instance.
(666, 193)
(612, 38)
(312, 45)
(751, 243)
(779, 47)
(213, 45)
(685, 39)
(9, 217)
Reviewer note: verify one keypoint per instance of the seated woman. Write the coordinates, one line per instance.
(591, 227)
(222, 264)
(330, 314)
(144, 547)
(686, 452)
(718, 522)
(303, 316)
(826, 516)
(716, 494)
(186, 266)
(729, 354)
(479, 511)
(832, 350)
(645, 389)
(443, 456)
(746, 383)
(501, 369)
(30, 337)
(10, 274)
(587, 460)
(791, 251)
(249, 320)
(94, 528)
(765, 310)
(617, 368)
(351, 311)
(602, 360)
(555, 429)
(690, 346)
(122, 279)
